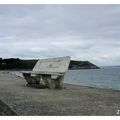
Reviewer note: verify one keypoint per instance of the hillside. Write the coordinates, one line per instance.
(82, 65)
(18, 64)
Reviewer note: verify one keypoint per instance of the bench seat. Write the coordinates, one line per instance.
(42, 73)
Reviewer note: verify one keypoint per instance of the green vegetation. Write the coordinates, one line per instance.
(18, 64)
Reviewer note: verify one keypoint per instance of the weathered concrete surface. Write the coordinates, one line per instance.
(5, 110)
(74, 100)
(53, 65)
(45, 69)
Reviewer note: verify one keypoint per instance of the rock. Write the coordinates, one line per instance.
(82, 65)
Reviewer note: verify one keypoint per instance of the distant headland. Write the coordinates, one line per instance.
(20, 64)
(82, 65)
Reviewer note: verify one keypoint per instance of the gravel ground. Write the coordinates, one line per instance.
(72, 100)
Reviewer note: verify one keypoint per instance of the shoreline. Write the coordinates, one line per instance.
(16, 73)
(93, 87)
(74, 100)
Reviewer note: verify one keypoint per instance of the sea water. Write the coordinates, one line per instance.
(105, 77)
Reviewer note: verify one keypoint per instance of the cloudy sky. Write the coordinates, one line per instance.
(84, 32)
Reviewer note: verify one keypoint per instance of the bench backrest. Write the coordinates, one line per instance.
(53, 65)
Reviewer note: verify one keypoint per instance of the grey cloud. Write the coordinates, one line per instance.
(85, 32)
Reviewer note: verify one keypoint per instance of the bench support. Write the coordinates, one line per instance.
(28, 78)
(44, 80)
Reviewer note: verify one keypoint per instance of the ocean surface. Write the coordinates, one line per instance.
(106, 77)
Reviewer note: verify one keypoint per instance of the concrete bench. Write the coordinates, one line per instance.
(48, 72)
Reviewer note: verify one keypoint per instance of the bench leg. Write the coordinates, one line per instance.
(48, 81)
(37, 79)
(59, 81)
(28, 78)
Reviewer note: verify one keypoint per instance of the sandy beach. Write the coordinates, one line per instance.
(72, 100)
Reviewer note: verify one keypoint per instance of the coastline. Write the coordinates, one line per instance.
(72, 100)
